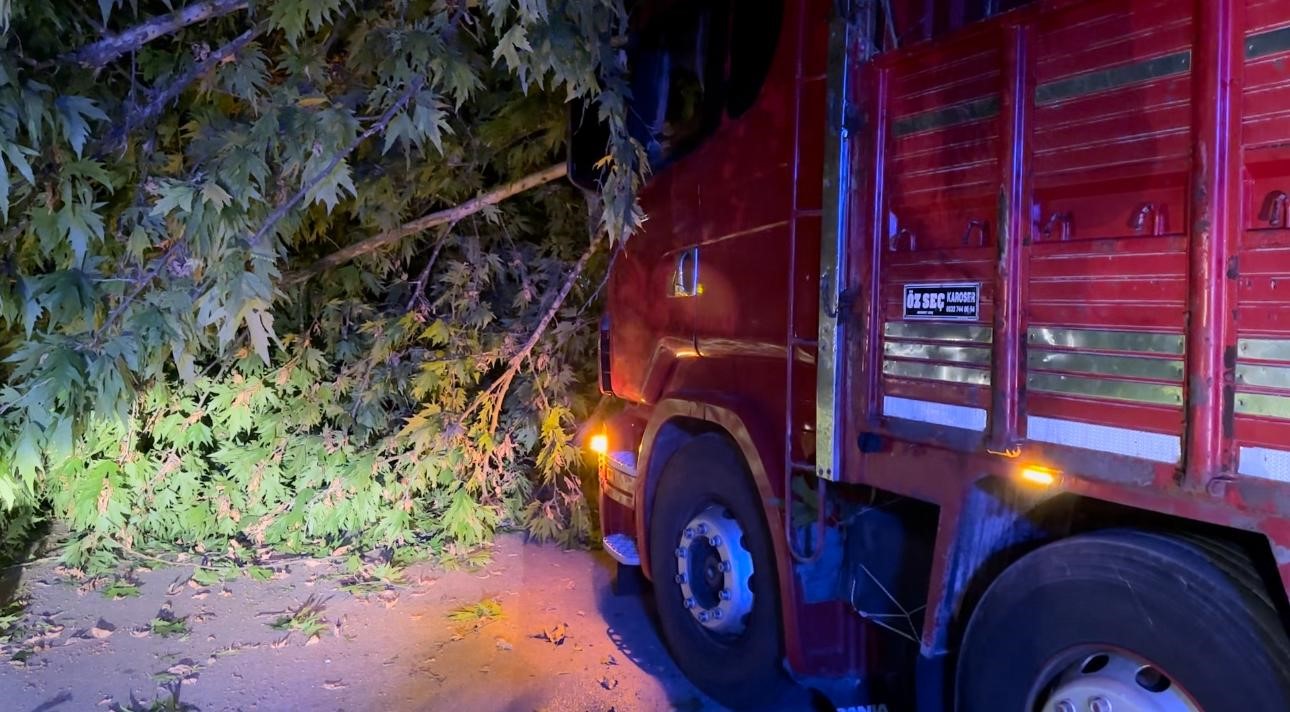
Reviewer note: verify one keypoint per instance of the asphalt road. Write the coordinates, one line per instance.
(560, 640)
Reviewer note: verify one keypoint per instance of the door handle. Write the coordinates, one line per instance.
(685, 278)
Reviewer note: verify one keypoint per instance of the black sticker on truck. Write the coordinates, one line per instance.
(955, 302)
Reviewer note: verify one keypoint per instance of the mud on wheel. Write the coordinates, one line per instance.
(714, 574)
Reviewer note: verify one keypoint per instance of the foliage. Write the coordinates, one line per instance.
(477, 613)
(120, 588)
(306, 619)
(12, 615)
(168, 626)
(171, 368)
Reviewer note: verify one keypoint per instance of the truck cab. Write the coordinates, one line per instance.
(952, 363)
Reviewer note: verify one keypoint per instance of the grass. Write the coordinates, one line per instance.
(307, 619)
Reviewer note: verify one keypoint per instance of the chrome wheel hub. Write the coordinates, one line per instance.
(714, 571)
(1115, 682)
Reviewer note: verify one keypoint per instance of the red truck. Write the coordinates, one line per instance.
(953, 360)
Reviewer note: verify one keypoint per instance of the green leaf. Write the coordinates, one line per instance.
(74, 115)
(17, 156)
(330, 189)
(4, 192)
(259, 325)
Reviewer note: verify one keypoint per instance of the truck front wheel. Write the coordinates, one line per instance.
(714, 576)
(1126, 620)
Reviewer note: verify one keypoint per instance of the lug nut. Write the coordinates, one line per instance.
(716, 613)
(716, 540)
(703, 616)
(1065, 706)
(680, 552)
(703, 529)
(1099, 704)
(689, 533)
(725, 594)
(680, 578)
(725, 566)
(688, 603)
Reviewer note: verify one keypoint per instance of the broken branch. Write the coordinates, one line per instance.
(425, 222)
(139, 115)
(101, 53)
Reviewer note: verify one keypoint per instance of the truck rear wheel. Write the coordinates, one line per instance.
(713, 566)
(1126, 620)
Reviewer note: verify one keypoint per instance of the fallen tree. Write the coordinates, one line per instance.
(298, 274)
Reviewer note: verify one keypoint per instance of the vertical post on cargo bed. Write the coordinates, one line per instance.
(1217, 62)
(846, 43)
(1013, 233)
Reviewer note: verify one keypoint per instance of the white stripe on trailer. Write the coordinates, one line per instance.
(1264, 463)
(953, 416)
(1105, 438)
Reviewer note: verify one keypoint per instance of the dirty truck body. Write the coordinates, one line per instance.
(954, 356)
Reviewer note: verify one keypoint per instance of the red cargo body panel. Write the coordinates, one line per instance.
(1261, 402)
(1071, 159)
(941, 179)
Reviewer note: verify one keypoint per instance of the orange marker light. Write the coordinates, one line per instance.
(599, 443)
(1041, 476)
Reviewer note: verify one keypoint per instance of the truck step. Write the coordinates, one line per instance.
(623, 461)
(622, 548)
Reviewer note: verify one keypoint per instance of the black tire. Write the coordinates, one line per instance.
(1193, 608)
(743, 672)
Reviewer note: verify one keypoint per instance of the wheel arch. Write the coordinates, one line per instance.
(998, 525)
(674, 422)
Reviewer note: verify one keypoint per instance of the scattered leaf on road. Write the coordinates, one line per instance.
(101, 630)
(555, 634)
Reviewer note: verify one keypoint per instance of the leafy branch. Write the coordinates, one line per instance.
(381, 123)
(497, 391)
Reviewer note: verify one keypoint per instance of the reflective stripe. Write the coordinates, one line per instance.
(1112, 78)
(1258, 375)
(1141, 444)
(1259, 404)
(1141, 341)
(1128, 366)
(953, 416)
(938, 332)
(1265, 43)
(1105, 388)
(946, 116)
(957, 354)
(937, 372)
(1267, 349)
(1264, 463)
